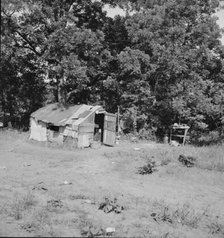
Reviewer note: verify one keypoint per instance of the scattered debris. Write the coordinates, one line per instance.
(164, 216)
(67, 183)
(55, 203)
(110, 231)
(147, 169)
(29, 227)
(39, 186)
(78, 196)
(188, 161)
(92, 232)
(174, 143)
(136, 148)
(134, 139)
(27, 165)
(88, 201)
(110, 205)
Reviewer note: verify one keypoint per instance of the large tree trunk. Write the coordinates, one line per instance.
(61, 95)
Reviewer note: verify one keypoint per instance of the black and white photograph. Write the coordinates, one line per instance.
(112, 118)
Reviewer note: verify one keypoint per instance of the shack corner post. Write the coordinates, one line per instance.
(118, 131)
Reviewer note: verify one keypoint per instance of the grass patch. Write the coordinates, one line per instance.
(40, 223)
(165, 161)
(216, 228)
(20, 204)
(184, 215)
(78, 197)
(209, 157)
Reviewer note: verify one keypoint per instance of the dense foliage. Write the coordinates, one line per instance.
(162, 64)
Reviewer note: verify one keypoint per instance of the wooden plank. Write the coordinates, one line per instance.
(109, 133)
(109, 125)
(109, 137)
(110, 117)
(86, 127)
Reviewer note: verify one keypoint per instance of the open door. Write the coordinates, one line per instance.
(109, 130)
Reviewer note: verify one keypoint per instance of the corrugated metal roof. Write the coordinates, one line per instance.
(58, 114)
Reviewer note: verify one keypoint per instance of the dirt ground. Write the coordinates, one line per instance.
(48, 191)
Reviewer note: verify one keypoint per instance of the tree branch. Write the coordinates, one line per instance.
(29, 43)
(5, 13)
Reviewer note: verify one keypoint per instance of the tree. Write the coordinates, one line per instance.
(65, 36)
(161, 65)
(22, 87)
(182, 40)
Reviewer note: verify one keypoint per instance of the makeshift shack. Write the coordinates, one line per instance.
(74, 124)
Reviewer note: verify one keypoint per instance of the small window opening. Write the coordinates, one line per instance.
(53, 128)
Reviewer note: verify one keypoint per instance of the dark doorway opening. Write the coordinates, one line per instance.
(53, 128)
(98, 131)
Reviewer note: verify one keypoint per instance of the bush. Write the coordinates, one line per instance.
(145, 134)
(210, 138)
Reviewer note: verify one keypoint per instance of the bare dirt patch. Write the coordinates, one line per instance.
(51, 192)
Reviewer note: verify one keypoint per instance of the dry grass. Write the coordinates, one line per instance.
(40, 223)
(78, 197)
(20, 204)
(113, 171)
(216, 228)
(184, 215)
(208, 157)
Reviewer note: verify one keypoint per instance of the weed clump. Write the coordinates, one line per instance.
(54, 203)
(21, 204)
(148, 168)
(216, 228)
(111, 205)
(184, 215)
(188, 161)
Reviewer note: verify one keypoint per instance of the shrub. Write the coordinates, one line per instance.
(20, 204)
(148, 168)
(209, 138)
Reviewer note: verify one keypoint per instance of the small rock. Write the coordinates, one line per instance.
(134, 139)
(136, 148)
(66, 183)
(110, 230)
(88, 201)
(174, 143)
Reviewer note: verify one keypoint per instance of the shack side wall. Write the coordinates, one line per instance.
(38, 130)
(85, 134)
